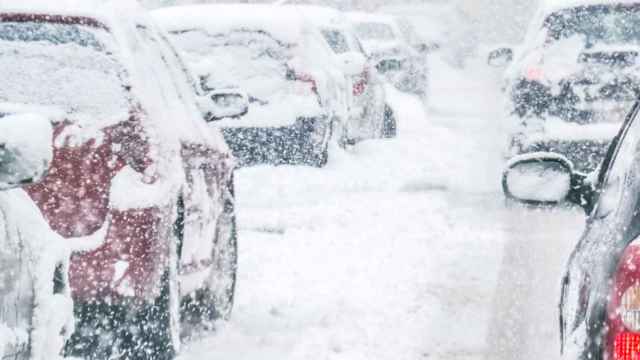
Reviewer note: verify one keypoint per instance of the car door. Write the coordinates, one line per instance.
(205, 166)
(612, 225)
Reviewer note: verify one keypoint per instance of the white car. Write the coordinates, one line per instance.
(282, 65)
(36, 310)
(370, 115)
(384, 43)
(576, 71)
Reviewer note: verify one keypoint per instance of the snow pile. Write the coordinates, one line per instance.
(25, 148)
(36, 251)
(283, 23)
(77, 78)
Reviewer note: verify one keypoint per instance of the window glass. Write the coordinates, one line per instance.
(336, 40)
(66, 66)
(622, 182)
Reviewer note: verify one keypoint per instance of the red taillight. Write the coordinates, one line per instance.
(534, 74)
(627, 346)
(306, 78)
(361, 85)
(622, 336)
(358, 88)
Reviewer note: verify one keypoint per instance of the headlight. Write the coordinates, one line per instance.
(630, 308)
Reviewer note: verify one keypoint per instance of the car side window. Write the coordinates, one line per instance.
(621, 180)
(336, 40)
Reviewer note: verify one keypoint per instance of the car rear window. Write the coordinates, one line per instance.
(66, 66)
(609, 24)
(251, 60)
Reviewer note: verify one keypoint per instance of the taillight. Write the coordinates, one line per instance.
(627, 346)
(534, 73)
(306, 78)
(623, 310)
(361, 85)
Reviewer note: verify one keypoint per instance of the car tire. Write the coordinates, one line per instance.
(154, 332)
(389, 123)
(134, 330)
(321, 159)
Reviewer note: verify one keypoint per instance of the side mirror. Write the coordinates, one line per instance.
(546, 179)
(26, 149)
(500, 57)
(222, 104)
(352, 63)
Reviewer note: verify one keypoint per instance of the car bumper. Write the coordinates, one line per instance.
(295, 144)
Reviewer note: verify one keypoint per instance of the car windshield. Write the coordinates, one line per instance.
(597, 24)
(251, 60)
(66, 66)
(374, 31)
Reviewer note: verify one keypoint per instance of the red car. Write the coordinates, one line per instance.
(600, 296)
(136, 172)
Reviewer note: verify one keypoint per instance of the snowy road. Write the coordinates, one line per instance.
(399, 249)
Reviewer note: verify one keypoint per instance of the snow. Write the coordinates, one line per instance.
(398, 249)
(40, 251)
(25, 148)
(540, 182)
(284, 23)
(393, 251)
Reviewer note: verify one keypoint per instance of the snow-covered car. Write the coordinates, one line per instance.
(383, 42)
(577, 67)
(139, 185)
(423, 26)
(600, 298)
(370, 115)
(282, 65)
(36, 311)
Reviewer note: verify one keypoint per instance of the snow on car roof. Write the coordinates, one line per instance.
(320, 15)
(359, 16)
(282, 22)
(106, 12)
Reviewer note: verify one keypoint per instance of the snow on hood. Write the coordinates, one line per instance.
(252, 48)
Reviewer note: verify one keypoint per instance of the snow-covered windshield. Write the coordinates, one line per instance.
(66, 66)
(596, 24)
(374, 31)
(250, 60)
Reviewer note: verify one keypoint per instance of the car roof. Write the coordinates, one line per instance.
(358, 16)
(282, 22)
(322, 16)
(91, 12)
